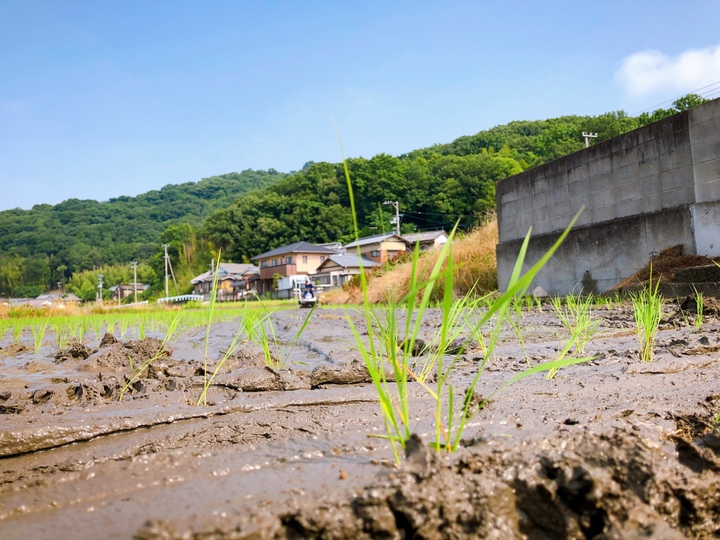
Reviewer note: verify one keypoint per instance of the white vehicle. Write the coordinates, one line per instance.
(307, 297)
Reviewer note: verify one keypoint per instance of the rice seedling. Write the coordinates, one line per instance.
(455, 321)
(517, 286)
(38, 333)
(141, 326)
(83, 327)
(565, 351)
(260, 329)
(575, 314)
(173, 331)
(394, 402)
(17, 327)
(699, 309)
(234, 344)
(394, 399)
(61, 327)
(647, 311)
(96, 323)
(213, 297)
(124, 322)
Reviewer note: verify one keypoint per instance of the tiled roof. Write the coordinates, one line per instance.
(349, 261)
(227, 270)
(297, 247)
(423, 236)
(373, 240)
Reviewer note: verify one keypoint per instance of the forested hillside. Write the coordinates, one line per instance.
(254, 211)
(435, 186)
(47, 244)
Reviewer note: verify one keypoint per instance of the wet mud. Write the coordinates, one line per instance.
(95, 441)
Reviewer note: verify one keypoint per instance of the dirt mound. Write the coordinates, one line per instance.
(121, 355)
(579, 485)
(665, 265)
(75, 350)
(15, 348)
(710, 306)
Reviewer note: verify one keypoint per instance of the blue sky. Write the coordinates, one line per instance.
(102, 98)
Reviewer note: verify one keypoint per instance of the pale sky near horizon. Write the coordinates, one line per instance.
(106, 98)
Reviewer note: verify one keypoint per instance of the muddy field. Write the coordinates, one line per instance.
(613, 448)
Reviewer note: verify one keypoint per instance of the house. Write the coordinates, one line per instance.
(120, 292)
(56, 298)
(232, 278)
(339, 269)
(379, 248)
(298, 259)
(426, 240)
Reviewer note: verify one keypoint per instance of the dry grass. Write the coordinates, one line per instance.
(474, 260)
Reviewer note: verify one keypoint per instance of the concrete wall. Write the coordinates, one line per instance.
(644, 191)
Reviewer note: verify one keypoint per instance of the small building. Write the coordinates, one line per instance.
(339, 269)
(426, 240)
(299, 258)
(231, 278)
(122, 291)
(379, 248)
(56, 298)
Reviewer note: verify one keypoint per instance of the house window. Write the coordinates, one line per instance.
(274, 262)
(304, 258)
(288, 260)
(375, 253)
(263, 264)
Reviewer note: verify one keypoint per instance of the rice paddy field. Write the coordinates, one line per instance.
(566, 419)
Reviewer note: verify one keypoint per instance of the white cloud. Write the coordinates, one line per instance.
(649, 72)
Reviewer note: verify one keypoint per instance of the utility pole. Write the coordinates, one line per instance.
(396, 204)
(588, 136)
(100, 284)
(167, 260)
(134, 265)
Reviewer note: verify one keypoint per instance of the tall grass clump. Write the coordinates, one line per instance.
(475, 269)
(647, 311)
(383, 355)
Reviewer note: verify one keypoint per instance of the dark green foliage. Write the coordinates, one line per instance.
(682, 104)
(48, 244)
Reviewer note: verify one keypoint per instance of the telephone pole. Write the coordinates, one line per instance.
(167, 259)
(588, 136)
(134, 265)
(396, 204)
(100, 284)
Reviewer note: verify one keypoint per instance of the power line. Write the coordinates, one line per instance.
(653, 107)
(435, 214)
